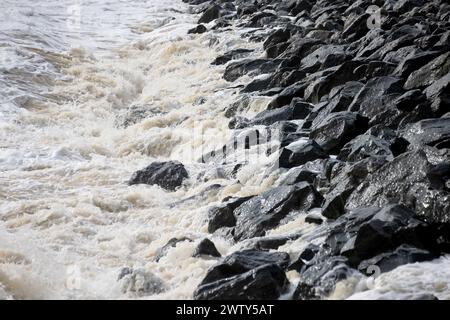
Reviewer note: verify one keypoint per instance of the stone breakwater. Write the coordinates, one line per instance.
(359, 100)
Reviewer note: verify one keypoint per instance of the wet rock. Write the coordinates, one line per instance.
(222, 215)
(410, 100)
(237, 69)
(210, 14)
(267, 282)
(168, 175)
(295, 111)
(430, 132)
(414, 61)
(402, 255)
(439, 176)
(404, 180)
(285, 97)
(264, 212)
(134, 114)
(140, 282)
(276, 42)
(337, 129)
(365, 146)
(320, 277)
(162, 252)
(298, 174)
(375, 96)
(231, 55)
(297, 154)
(198, 29)
(344, 180)
(429, 73)
(243, 261)
(274, 242)
(206, 248)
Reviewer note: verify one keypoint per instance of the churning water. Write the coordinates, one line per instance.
(91, 91)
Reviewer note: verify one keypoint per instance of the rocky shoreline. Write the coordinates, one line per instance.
(370, 82)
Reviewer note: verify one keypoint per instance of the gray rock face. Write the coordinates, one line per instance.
(299, 154)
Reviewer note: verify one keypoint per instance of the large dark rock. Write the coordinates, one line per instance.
(337, 129)
(298, 153)
(264, 212)
(198, 29)
(404, 180)
(267, 282)
(222, 216)
(402, 255)
(248, 274)
(430, 132)
(365, 146)
(429, 73)
(231, 55)
(237, 69)
(375, 96)
(168, 175)
(206, 248)
(210, 14)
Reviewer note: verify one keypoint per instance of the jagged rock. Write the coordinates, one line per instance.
(285, 97)
(430, 132)
(313, 61)
(231, 55)
(365, 146)
(206, 248)
(222, 215)
(297, 154)
(344, 180)
(429, 73)
(140, 282)
(402, 255)
(274, 242)
(162, 252)
(276, 42)
(168, 175)
(320, 277)
(414, 61)
(404, 180)
(198, 29)
(267, 282)
(264, 212)
(243, 261)
(210, 14)
(409, 100)
(298, 174)
(374, 97)
(314, 218)
(337, 129)
(237, 69)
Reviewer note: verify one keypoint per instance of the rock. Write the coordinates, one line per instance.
(210, 14)
(402, 255)
(410, 100)
(357, 28)
(264, 212)
(222, 215)
(297, 154)
(264, 283)
(276, 42)
(206, 248)
(198, 29)
(168, 175)
(313, 61)
(243, 261)
(134, 114)
(285, 97)
(269, 243)
(162, 252)
(414, 61)
(343, 181)
(429, 73)
(237, 69)
(140, 282)
(298, 174)
(365, 146)
(337, 129)
(439, 176)
(231, 55)
(295, 111)
(404, 180)
(373, 98)
(430, 132)
(320, 277)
